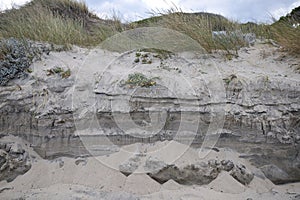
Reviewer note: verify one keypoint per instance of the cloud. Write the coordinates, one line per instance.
(159, 4)
(7, 4)
(128, 10)
(277, 13)
(241, 10)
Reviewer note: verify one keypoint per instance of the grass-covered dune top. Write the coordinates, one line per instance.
(216, 21)
(286, 31)
(56, 21)
(293, 17)
(67, 22)
(200, 27)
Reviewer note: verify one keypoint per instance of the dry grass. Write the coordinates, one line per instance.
(56, 21)
(67, 22)
(200, 28)
(262, 31)
(287, 36)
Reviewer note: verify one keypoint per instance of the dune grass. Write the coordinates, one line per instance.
(200, 27)
(60, 22)
(66, 22)
(287, 36)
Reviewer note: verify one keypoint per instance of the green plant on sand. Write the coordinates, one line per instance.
(58, 70)
(139, 79)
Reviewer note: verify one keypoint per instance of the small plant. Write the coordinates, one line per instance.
(266, 79)
(165, 67)
(229, 79)
(144, 61)
(56, 70)
(66, 74)
(145, 55)
(229, 56)
(139, 79)
(159, 53)
(60, 71)
(297, 69)
(145, 58)
(29, 70)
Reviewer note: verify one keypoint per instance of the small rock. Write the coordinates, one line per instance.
(227, 165)
(258, 173)
(275, 174)
(7, 147)
(153, 165)
(215, 149)
(130, 166)
(16, 149)
(81, 160)
(240, 173)
(214, 163)
(188, 175)
(203, 165)
(14, 161)
(61, 163)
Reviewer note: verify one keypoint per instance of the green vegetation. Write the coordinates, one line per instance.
(139, 79)
(159, 53)
(144, 56)
(60, 22)
(69, 22)
(287, 36)
(285, 31)
(58, 70)
(66, 74)
(200, 27)
(29, 70)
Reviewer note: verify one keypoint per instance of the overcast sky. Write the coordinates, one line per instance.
(241, 10)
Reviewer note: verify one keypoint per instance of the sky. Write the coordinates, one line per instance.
(240, 10)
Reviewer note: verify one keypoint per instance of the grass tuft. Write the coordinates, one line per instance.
(200, 27)
(287, 36)
(61, 22)
(139, 79)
